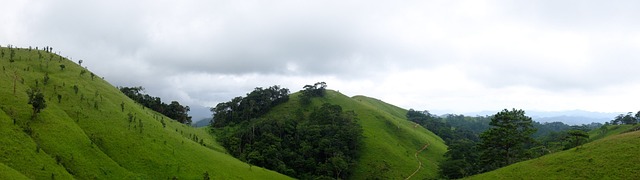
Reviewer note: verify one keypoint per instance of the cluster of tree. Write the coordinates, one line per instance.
(563, 140)
(440, 126)
(324, 144)
(462, 139)
(477, 124)
(37, 101)
(173, 110)
(321, 143)
(309, 91)
(255, 104)
(480, 144)
(628, 118)
(507, 140)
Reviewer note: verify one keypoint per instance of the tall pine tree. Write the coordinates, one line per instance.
(505, 142)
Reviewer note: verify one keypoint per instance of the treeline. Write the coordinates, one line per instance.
(255, 104)
(173, 110)
(321, 143)
(628, 118)
(481, 144)
(310, 91)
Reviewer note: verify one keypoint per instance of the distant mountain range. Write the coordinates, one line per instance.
(201, 122)
(199, 112)
(572, 117)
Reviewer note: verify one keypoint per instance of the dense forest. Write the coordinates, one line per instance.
(173, 110)
(478, 144)
(255, 104)
(318, 143)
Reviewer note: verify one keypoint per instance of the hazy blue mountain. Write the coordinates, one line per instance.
(572, 117)
(199, 112)
(201, 122)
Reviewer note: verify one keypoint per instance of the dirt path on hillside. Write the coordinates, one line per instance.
(419, 162)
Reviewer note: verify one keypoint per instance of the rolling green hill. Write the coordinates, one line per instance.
(390, 140)
(612, 157)
(89, 130)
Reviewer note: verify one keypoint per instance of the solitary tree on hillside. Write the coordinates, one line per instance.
(37, 101)
(578, 137)
(503, 144)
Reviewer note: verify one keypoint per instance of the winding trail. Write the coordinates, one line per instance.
(419, 162)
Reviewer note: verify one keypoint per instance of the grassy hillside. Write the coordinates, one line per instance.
(390, 141)
(613, 157)
(611, 130)
(89, 135)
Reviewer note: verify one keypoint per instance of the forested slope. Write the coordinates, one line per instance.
(390, 140)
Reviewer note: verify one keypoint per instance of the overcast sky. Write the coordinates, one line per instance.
(444, 56)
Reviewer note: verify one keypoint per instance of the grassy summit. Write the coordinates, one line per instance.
(85, 133)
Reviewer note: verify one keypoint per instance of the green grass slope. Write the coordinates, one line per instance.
(390, 140)
(88, 135)
(613, 157)
(611, 130)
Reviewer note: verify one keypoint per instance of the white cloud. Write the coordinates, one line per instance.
(450, 55)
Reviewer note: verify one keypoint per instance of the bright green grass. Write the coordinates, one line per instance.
(390, 140)
(611, 130)
(8, 173)
(613, 157)
(74, 139)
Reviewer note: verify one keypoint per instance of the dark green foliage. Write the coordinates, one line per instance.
(505, 143)
(46, 78)
(629, 118)
(75, 89)
(37, 101)
(578, 137)
(462, 159)
(547, 128)
(323, 145)
(59, 98)
(174, 110)
(431, 122)
(255, 104)
(309, 91)
(476, 124)
(462, 156)
(565, 138)
(12, 54)
(62, 66)
(461, 134)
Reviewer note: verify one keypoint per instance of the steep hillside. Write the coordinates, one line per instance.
(612, 157)
(89, 130)
(390, 141)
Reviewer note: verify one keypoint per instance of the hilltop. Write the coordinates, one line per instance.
(390, 140)
(90, 130)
